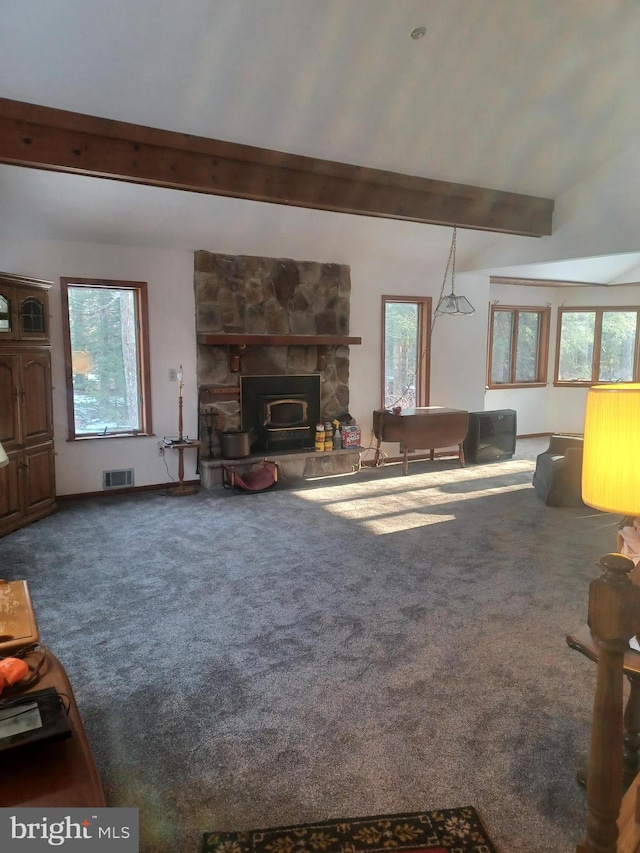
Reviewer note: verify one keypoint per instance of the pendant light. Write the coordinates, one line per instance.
(452, 304)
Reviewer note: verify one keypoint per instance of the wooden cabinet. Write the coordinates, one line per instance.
(24, 309)
(27, 483)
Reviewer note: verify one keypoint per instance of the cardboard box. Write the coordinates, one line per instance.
(18, 626)
(351, 436)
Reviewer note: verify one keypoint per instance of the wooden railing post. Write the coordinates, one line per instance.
(614, 617)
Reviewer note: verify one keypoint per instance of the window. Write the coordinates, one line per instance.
(518, 346)
(597, 345)
(405, 350)
(106, 357)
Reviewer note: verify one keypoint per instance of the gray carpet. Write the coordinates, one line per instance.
(361, 645)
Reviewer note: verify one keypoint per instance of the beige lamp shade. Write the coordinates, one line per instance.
(611, 461)
(4, 459)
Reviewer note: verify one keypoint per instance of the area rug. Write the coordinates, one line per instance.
(444, 831)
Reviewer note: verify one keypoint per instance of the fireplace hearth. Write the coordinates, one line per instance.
(280, 412)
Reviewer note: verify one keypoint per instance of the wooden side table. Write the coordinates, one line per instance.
(183, 488)
(583, 642)
(56, 773)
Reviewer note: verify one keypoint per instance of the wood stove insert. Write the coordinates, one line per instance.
(280, 412)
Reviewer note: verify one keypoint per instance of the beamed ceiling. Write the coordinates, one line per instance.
(497, 111)
(62, 141)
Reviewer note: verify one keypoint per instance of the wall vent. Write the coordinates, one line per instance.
(117, 479)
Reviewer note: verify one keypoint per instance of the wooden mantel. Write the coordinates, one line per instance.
(238, 342)
(243, 340)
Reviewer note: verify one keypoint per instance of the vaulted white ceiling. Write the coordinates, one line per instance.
(527, 96)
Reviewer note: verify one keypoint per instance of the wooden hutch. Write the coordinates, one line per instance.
(27, 483)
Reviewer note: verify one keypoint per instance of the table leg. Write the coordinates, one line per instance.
(376, 458)
(181, 465)
(182, 488)
(461, 454)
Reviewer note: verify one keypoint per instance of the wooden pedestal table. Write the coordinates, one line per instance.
(55, 773)
(183, 488)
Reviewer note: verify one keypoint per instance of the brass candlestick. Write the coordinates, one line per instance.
(180, 383)
(182, 488)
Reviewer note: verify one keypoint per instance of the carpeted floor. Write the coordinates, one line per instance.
(373, 644)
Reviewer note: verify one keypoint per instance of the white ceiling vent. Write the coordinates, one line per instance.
(117, 479)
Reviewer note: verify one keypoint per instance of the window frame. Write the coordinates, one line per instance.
(542, 352)
(599, 311)
(139, 288)
(424, 305)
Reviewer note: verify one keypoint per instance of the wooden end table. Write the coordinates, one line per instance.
(183, 488)
(583, 642)
(56, 773)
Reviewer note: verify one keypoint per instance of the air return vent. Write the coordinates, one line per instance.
(117, 479)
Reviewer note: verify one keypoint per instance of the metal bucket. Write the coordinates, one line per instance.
(234, 445)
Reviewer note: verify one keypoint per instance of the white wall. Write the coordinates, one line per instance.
(531, 404)
(169, 274)
(597, 217)
(552, 409)
(567, 405)
(386, 257)
(459, 344)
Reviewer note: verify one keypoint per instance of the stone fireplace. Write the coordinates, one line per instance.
(273, 348)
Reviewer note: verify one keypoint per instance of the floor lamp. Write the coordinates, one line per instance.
(611, 483)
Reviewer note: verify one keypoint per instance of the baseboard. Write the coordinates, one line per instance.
(130, 490)
(536, 435)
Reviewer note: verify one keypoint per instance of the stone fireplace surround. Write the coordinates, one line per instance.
(304, 307)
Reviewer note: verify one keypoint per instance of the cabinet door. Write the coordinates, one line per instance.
(10, 391)
(8, 313)
(35, 396)
(33, 314)
(10, 493)
(39, 484)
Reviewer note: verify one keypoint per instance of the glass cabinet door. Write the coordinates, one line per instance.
(33, 315)
(8, 331)
(24, 313)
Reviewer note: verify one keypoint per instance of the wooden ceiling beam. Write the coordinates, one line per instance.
(542, 282)
(57, 140)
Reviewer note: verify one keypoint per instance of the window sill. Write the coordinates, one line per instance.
(111, 435)
(508, 386)
(579, 383)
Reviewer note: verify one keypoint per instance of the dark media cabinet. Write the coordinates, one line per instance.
(491, 436)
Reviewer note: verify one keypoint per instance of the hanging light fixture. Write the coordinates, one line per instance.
(452, 304)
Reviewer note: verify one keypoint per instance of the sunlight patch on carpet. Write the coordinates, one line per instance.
(414, 508)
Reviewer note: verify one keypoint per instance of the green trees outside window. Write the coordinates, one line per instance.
(597, 345)
(405, 351)
(518, 348)
(106, 357)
